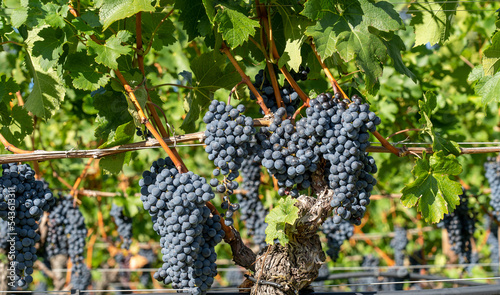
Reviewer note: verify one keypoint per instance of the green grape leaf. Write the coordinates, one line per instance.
(50, 47)
(432, 21)
(433, 192)
(23, 122)
(114, 163)
(48, 87)
(113, 112)
(55, 14)
(235, 26)
(108, 53)
(294, 27)
(194, 17)
(86, 73)
(111, 11)
(211, 73)
(476, 74)
(210, 9)
(427, 106)
(163, 30)
(350, 32)
(121, 135)
(487, 87)
(7, 88)
(17, 10)
(278, 218)
(394, 47)
(491, 56)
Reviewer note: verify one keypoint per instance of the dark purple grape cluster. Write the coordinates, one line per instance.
(123, 224)
(398, 243)
(252, 209)
(76, 232)
(227, 137)
(66, 235)
(286, 152)
(350, 167)
(492, 167)
(336, 234)
(144, 133)
(460, 225)
(188, 232)
(493, 243)
(22, 203)
(57, 241)
(4, 234)
(289, 96)
(334, 130)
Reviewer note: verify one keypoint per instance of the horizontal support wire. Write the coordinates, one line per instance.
(42, 155)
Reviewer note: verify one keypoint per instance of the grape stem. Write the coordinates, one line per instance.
(297, 112)
(245, 79)
(177, 160)
(262, 14)
(12, 148)
(335, 85)
(140, 61)
(274, 82)
(386, 144)
(138, 40)
(233, 90)
(75, 186)
(402, 131)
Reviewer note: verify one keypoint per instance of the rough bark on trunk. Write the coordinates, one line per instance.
(284, 270)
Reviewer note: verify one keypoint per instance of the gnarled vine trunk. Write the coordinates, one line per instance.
(287, 269)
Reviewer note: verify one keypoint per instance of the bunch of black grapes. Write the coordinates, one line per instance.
(189, 233)
(460, 225)
(227, 137)
(289, 96)
(336, 234)
(334, 130)
(492, 167)
(123, 224)
(252, 209)
(22, 203)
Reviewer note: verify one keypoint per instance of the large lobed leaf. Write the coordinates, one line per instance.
(48, 87)
(235, 26)
(433, 190)
(353, 30)
(432, 20)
